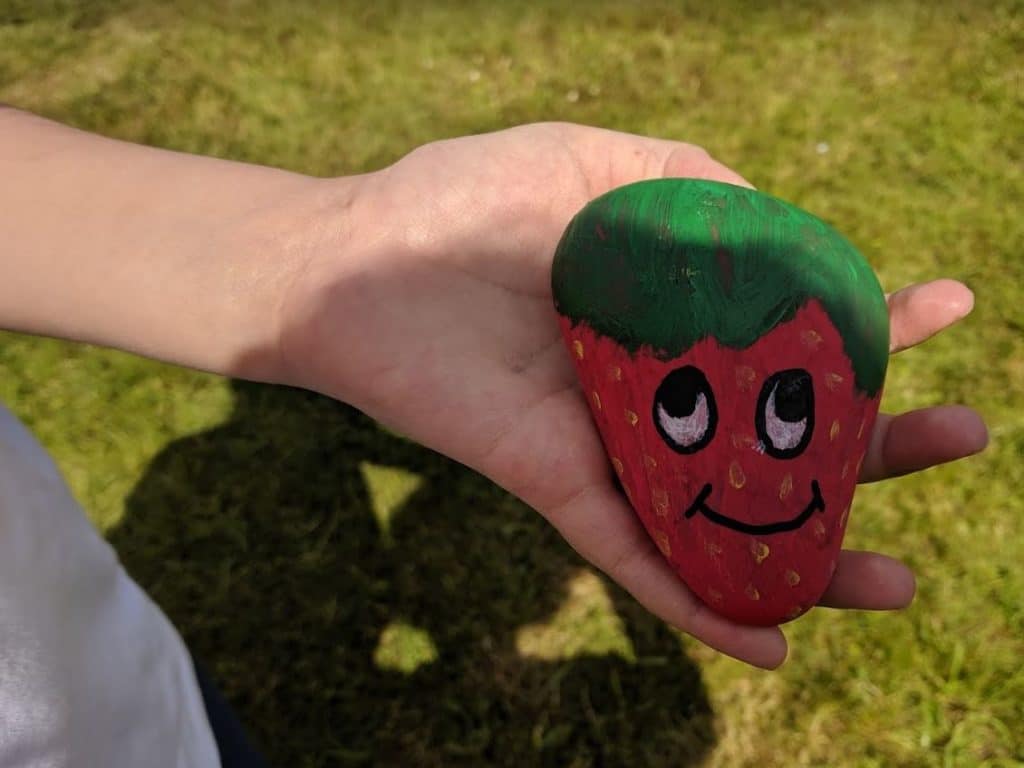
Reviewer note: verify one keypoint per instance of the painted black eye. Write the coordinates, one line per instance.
(785, 413)
(684, 410)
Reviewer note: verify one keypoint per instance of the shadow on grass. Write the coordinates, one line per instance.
(258, 538)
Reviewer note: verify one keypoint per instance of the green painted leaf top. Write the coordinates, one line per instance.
(655, 264)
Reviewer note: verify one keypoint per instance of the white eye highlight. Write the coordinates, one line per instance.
(686, 431)
(783, 435)
(785, 413)
(684, 410)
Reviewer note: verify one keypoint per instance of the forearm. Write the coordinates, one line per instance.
(173, 256)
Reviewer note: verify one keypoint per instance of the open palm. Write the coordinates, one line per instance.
(437, 320)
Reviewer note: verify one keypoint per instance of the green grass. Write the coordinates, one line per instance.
(364, 601)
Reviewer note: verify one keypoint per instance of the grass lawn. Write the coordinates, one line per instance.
(364, 601)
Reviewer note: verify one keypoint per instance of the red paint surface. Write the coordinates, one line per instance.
(733, 572)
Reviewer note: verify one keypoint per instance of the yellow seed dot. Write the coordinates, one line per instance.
(834, 430)
(659, 497)
(649, 462)
(792, 578)
(860, 430)
(712, 549)
(577, 347)
(745, 377)
(736, 477)
(714, 595)
(751, 592)
(631, 417)
(629, 494)
(819, 529)
(615, 373)
(786, 486)
(860, 461)
(661, 538)
(759, 550)
(795, 611)
(617, 463)
(833, 381)
(740, 441)
(811, 339)
(846, 470)
(597, 399)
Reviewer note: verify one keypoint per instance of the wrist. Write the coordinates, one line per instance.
(276, 246)
(322, 263)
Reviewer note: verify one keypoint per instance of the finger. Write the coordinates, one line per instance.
(869, 581)
(919, 311)
(612, 158)
(920, 439)
(683, 161)
(603, 528)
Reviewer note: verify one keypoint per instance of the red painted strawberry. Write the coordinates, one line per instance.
(733, 349)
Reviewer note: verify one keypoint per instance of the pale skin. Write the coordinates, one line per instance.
(418, 293)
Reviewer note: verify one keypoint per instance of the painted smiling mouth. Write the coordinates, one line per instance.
(817, 504)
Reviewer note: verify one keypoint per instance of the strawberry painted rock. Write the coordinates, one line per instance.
(732, 349)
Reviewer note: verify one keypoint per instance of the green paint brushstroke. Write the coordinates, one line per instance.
(667, 262)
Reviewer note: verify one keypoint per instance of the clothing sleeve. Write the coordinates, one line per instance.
(91, 671)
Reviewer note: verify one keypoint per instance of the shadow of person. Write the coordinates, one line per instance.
(263, 544)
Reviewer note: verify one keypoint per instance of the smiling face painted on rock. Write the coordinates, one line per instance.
(732, 349)
(686, 417)
(741, 463)
(755, 465)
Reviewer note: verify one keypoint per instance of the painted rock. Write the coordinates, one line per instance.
(732, 349)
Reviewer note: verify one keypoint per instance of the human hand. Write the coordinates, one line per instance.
(438, 321)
